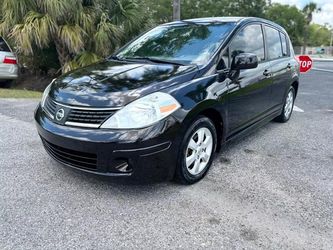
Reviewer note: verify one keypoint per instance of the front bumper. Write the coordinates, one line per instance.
(149, 153)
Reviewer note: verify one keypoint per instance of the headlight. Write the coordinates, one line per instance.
(46, 93)
(143, 112)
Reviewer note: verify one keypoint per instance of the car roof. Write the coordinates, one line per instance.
(233, 19)
(216, 19)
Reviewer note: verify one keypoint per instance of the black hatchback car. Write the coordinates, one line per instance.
(167, 101)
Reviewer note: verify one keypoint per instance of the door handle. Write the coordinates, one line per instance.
(289, 66)
(267, 73)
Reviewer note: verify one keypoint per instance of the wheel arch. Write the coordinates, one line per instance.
(215, 113)
(295, 86)
(217, 120)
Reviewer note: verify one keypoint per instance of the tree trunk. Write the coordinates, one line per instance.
(176, 10)
(331, 42)
(63, 54)
(305, 42)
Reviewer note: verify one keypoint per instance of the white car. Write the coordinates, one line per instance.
(8, 64)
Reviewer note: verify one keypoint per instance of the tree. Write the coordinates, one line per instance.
(308, 11)
(203, 8)
(289, 17)
(319, 35)
(82, 31)
(254, 8)
(162, 9)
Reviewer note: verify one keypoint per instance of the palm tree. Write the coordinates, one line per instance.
(308, 11)
(83, 31)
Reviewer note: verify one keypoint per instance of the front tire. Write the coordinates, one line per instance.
(287, 106)
(197, 151)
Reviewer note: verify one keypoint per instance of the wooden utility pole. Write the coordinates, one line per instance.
(176, 10)
(331, 42)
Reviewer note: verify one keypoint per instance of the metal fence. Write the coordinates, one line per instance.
(325, 50)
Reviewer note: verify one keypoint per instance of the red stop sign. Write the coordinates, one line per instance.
(305, 63)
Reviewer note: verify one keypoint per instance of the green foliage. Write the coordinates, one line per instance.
(133, 24)
(204, 8)
(42, 60)
(254, 8)
(18, 93)
(82, 31)
(72, 36)
(162, 9)
(308, 11)
(319, 35)
(107, 36)
(294, 20)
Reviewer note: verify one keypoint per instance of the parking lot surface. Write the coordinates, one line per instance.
(324, 65)
(270, 190)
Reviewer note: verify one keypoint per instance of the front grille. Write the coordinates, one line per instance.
(78, 116)
(71, 157)
(88, 116)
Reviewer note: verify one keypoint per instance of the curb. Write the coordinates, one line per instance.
(322, 59)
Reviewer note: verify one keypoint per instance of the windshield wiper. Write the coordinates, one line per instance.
(153, 59)
(115, 57)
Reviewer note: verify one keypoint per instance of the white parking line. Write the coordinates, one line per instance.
(297, 109)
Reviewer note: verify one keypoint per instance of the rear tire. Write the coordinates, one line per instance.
(196, 151)
(6, 84)
(287, 106)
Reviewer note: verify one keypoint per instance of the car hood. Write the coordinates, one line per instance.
(115, 83)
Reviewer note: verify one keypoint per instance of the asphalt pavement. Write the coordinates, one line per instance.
(324, 65)
(270, 190)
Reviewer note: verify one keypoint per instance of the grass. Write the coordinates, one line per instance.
(19, 93)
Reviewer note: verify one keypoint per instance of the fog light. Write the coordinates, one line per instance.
(123, 167)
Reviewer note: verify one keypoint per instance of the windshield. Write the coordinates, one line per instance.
(183, 43)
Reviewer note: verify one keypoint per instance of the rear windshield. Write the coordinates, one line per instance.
(186, 43)
(3, 45)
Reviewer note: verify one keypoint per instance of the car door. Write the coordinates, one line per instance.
(279, 56)
(248, 97)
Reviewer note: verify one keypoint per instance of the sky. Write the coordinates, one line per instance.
(326, 14)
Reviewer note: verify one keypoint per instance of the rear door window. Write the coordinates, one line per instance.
(274, 46)
(249, 40)
(284, 44)
(3, 45)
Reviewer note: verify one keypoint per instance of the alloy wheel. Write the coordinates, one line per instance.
(288, 107)
(199, 151)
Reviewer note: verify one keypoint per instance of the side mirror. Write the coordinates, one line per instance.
(244, 61)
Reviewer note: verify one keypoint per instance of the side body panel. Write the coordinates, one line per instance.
(248, 96)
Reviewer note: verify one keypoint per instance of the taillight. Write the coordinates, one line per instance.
(9, 60)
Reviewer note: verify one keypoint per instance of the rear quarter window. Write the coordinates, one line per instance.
(284, 44)
(3, 45)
